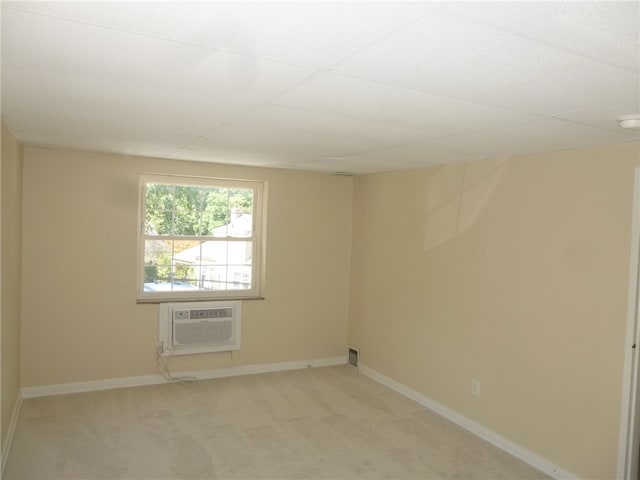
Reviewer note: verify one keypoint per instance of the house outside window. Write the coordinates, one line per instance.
(200, 238)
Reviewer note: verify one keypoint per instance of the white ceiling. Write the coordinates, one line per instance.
(357, 87)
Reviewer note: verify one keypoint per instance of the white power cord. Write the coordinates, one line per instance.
(163, 369)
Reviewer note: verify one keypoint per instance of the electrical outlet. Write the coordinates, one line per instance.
(475, 387)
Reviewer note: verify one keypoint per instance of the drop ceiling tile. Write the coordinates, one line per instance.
(352, 97)
(456, 148)
(307, 33)
(214, 154)
(452, 116)
(449, 56)
(603, 117)
(603, 31)
(78, 136)
(579, 84)
(299, 120)
(72, 47)
(55, 95)
(548, 135)
(284, 143)
(353, 165)
(346, 96)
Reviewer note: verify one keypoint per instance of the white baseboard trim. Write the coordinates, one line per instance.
(112, 383)
(6, 445)
(499, 441)
(261, 368)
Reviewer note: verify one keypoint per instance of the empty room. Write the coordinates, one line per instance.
(320, 240)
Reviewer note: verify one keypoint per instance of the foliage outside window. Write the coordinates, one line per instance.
(199, 238)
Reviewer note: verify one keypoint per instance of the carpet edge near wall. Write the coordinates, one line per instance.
(512, 448)
(157, 379)
(13, 423)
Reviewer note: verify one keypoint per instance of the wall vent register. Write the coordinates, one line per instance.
(352, 358)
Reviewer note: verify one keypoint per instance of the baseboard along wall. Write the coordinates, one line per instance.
(527, 456)
(495, 439)
(6, 445)
(139, 381)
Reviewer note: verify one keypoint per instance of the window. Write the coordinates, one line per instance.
(200, 238)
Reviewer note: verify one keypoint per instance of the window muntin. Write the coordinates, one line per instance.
(199, 238)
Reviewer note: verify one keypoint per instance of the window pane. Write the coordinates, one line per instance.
(157, 263)
(241, 276)
(241, 225)
(188, 198)
(239, 253)
(241, 200)
(184, 275)
(241, 208)
(158, 222)
(217, 278)
(187, 252)
(159, 209)
(205, 228)
(218, 230)
(159, 197)
(157, 252)
(206, 275)
(217, 206)
(186, 223)
(223, 265)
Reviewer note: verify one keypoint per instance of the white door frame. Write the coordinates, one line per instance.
(629, 439)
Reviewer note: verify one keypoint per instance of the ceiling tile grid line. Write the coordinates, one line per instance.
(394, 26)
(208, 134)
(304, 96)
(80, 96)
(346, 86)
(99, 51)
(123, 82)
(605, 31)
(257, 107)
(554, 44)
(496, 60)
(321, 70)
(487, 101)
(153, 37)
(380, 38)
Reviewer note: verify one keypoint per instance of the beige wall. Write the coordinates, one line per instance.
(80, 320)
(510, 272)
(10, 172)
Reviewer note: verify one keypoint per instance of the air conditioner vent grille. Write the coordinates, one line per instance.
(193, 333)
(187, 328)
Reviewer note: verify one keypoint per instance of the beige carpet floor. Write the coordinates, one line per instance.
(317, 423)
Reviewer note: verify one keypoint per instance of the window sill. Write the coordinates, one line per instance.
(192, 299)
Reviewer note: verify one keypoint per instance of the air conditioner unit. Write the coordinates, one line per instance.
(199, 327)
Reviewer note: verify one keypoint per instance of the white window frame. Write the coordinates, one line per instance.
(257, 239)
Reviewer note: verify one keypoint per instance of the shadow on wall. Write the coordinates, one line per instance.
(449, 217)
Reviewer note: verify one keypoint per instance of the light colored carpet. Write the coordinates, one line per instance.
(317, 423)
